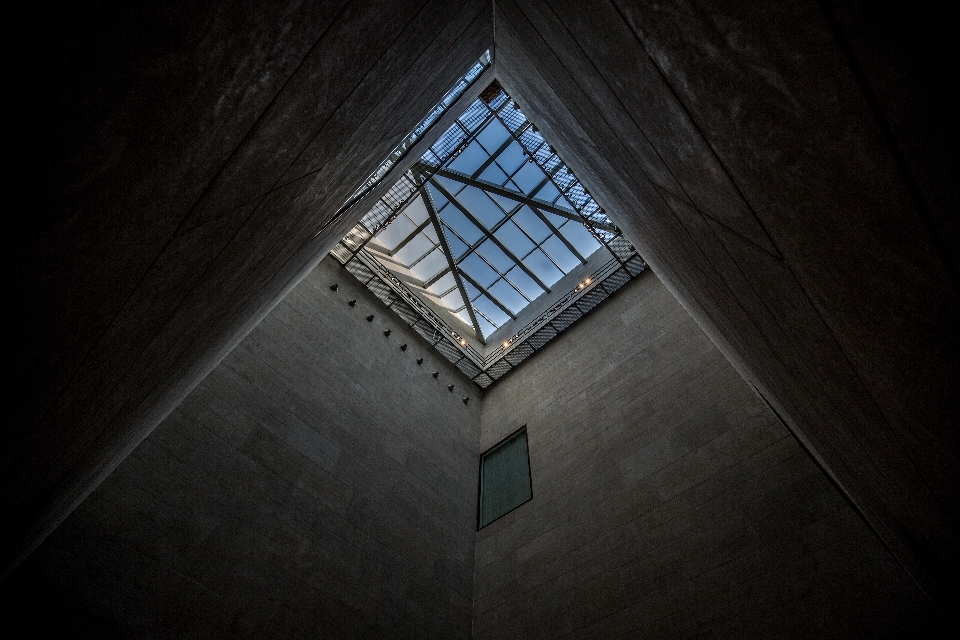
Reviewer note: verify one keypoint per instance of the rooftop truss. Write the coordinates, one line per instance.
(488, 220)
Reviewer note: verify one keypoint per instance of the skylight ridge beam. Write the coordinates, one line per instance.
(453, 200)
(553, 228)
(448, 254)
(518, 197)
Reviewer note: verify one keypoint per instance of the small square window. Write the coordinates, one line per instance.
(504, 477)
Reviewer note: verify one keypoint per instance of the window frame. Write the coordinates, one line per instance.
(503, 442)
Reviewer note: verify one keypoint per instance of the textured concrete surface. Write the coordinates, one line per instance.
(787, 169)
(669, 502)
(742, 149)
(318, 483)
(181, 159)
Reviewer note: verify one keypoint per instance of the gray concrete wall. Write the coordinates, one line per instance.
(176, 175)
(318, 483)
(668, 501)
(761, 157)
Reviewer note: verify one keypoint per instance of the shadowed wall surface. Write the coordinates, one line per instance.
(669, 502)
(786, 168)
(318, 483)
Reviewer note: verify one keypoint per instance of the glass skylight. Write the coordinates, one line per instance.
(492, 229)
(488, 228)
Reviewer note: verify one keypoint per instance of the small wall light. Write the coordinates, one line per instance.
(334, 286)
(450, 388)
(387, 333)
(419, 360)
(370, 318)
(436, 374)
(352, 303)
(403, 347)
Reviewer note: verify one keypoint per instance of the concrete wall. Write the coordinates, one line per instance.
(179, 167)
(668, 501)
(318, 483)
(765, 158)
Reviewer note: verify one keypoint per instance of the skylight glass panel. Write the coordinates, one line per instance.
(491, 311)
(528, 177)
(514, 239)
(396, 233)
(493, 174)
(444, 285)
(481, 206)
(508, 296)
(458, 222)
(541, 265)
(457, 246)
(481, 233)
(452, 187)
(493, 136)
(560, 254)
(485, 327)
(511, 158)
(580, 237)
(519, 278)
(430, 265)
(416, 211)
(470, 160)
(548, 192)
(532, 224)
(478, 270)
(415, 249)
(454, 300)
(507, 204)
(495, 257)
(472, 292)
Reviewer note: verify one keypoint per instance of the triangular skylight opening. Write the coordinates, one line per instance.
(488, 245)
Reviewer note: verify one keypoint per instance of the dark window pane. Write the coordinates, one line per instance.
(504, 478)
